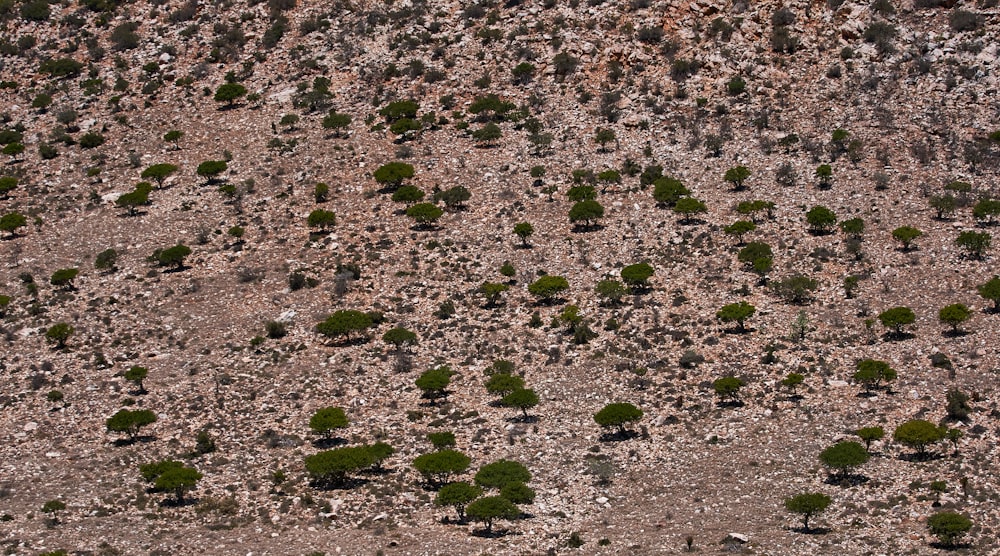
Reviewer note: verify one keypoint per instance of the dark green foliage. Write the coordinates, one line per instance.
(736, 86)
(523, 73)
(579, 193)
(322, 219)
(503, 384)
(853, 228)
(523, 399)
(210, 169)
(918, 434)
(667, 191)
(137, 374)
(500, 473)
(881, 33)
(792, 381)
(399, 337)
(820, 219)
(986, 210)
(130, 422)
(518, 493)
(132, 200)
(424, 214)
(688, 207)
(872, 374)
(230, 93)
(35, 10)
(587, 212)
(457, 495)
(869, 435)
(957, 407)
(954, 315)
(344, 323)
(7, 184)
(437, 466)
(603, 136)
(158, 172)
(611, 291)
(737, 175)
(408, 194)
(754, 251)
(454, 197)
(327, 420)
(963, 20)
(491, 508)
(170, 475)
(336, 122)
(106, 260)
(637, 275)
(546, 288)
(740, 228)
(896, 318)
(807, 504)
(441, 440)
(11, 221)
(618, 415)
(91, 140)
(493, 291)
(944, 205)
(61, 67)
(824, 172)
(795, 289)
(331, 467)
(728, 388)
(172, 256)
(434, 382)
(399, 109)
(58, 334)
(524, 230)
(906, 235)
(989, 290)
(974, 243)
(488, 134)
(736, 312)
(844, 457)
(63, 278)
(948, 527)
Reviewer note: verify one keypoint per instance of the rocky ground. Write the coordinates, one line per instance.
(918, 102)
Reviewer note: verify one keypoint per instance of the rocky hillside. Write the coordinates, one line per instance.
(224, 217)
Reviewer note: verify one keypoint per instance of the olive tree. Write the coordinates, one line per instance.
(872, 373)
(547, 288)
(130, 422)
(688, 208)
(736, 176)
(728, 389)
(344, 323)
(586, 213)
(736, 312)
(524, 230)
(954, 315)
(437, 466)
(491, 508)
(327, 420)
(637, 276)
(974, 243)
(618, 415)
(137, 374)
(843, 457)
(896, 318)
(820, 219)
(457, 495)
(807, 505)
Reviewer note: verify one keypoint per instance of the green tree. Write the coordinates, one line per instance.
(434, 382)
(14, 150)
(172, 256)
(736, 312)
(130, 422)
(523, 73)
(807, 505)
(492, 291)
(869, 435)
(637, 275)
(344, 323)
(820, 219)
(524, 230)
(843, 457)
(457, 495)
(137, 374)
(158, 173)
(587, 213)
(896, 318)
(872, 373)
(522, 398)
(391, 175)
(399, 109)
(518, 493)
(736, 176)
(54, 507)
(424, 214)
(327, 420)
(948, 527)
(132, 200)
(331, 467)
(11, 221)
(503, 384)
(7, 184)
(990, 290)
(667, 191)
(173, 136)
(688, 208)
(454, 198)
(491, 508)
(792, 381)
(954, 315)
(853, 228)
(906, 235)
(728, 388)
(437, 466)
(501, 473)
(957, 405)
(547, 288)
(795, 289)
(210, 170)
(974, 243)
(399, 337)
(755, 251)
(603, 136)
(336, 122)
(63, 278)
(230, 93)
(611, 291)
(322, 219)
(944, 205)
(441, 440)
(487, 135)
(618, 415)
(919, 434)
(824, 173)
(178, 480)
(61, 67)
(106, 260)
(739, 229)
(986, 210)
(579, 193)
(58, 334)
(408, 194)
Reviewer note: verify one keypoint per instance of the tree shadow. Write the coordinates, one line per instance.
(796, 398)
(490, 534)
(344, 483)
(920, 456)
(172, 502)
(692, 221)
(424, 228)
(176, 269)
(736, 330)
(522, 419)
(327, 443)
(812, 530)
(846, 479)
(866, 394)
(618, 436)
(898, 336)
(729, 404)
(135, 214)
(585, 228)
(950, 547)
(136, 440)
(954, 333)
